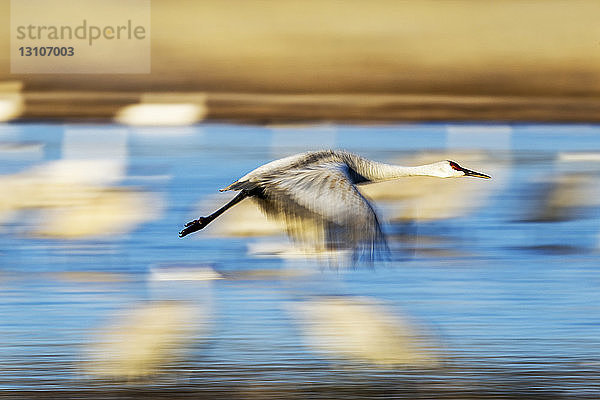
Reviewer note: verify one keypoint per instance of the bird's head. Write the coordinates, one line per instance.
(451, 169)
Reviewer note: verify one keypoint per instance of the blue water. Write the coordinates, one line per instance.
(511, 301)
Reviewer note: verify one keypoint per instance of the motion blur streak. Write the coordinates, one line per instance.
(362, 330)
(145, 339)
(11, 100)
(482, 297)
(69, 209)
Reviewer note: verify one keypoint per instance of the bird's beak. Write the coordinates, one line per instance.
(474, 174)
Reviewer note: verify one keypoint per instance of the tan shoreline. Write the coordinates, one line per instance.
(276, 108)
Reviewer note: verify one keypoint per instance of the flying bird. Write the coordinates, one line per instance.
(315, 194)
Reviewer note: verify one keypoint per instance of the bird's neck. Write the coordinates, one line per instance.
(383, 172)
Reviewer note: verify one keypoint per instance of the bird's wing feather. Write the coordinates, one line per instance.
(324, 197)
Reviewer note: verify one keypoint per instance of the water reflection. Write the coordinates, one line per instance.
(77, 196)
(143, 340)
(564, 197)
(53, 204)
(101, 295)
(360, 329)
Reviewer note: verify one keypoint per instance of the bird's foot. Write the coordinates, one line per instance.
(194, 226)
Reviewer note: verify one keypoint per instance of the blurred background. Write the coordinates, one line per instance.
(492, 286)
(256, 61)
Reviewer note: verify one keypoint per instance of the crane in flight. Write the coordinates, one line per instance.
(315, 194)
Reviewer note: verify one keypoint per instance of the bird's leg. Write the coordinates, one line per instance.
(201, 222)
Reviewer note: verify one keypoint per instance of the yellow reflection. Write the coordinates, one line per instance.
(72, 208)
(565, 197)
(142, 341)
(362, 330)
(90, 276)
(109, 212)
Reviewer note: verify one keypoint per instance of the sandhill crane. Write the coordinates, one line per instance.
(316, 191)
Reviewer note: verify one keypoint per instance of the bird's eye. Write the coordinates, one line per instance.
(455, 166)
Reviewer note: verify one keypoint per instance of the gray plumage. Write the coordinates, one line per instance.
(315, 194)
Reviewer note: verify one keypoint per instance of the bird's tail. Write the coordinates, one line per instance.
(237, 185)
(230, 187)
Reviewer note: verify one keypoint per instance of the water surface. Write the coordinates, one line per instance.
(506, 291)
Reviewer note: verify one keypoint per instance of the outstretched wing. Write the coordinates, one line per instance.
(323, 208)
